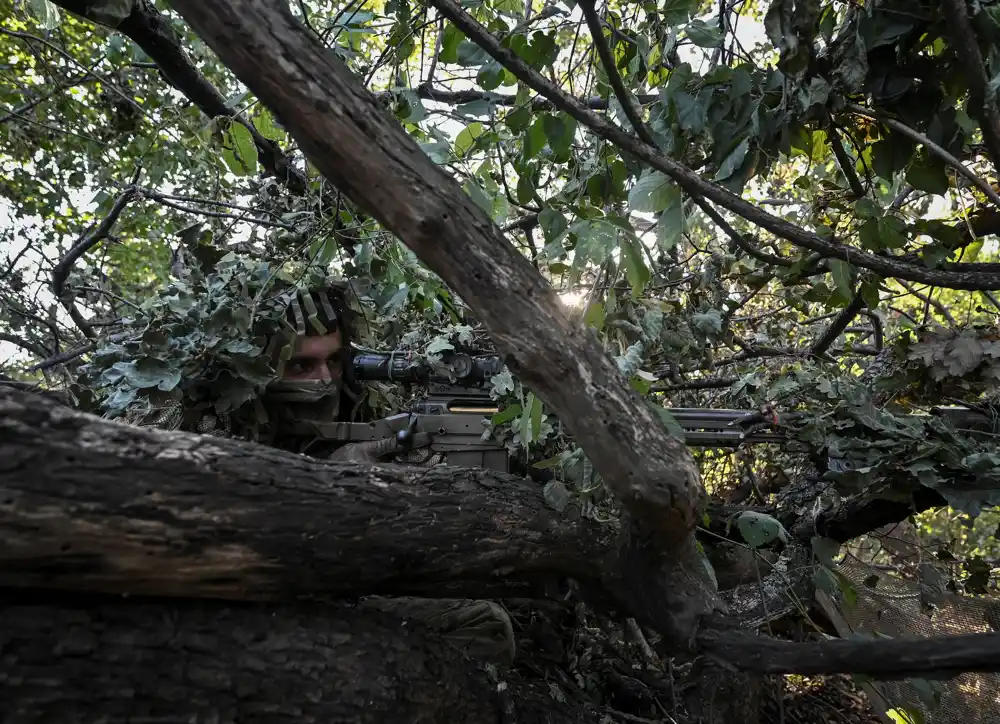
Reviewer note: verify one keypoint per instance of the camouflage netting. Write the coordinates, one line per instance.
(894, 608)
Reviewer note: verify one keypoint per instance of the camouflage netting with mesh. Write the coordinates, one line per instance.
(895, 608)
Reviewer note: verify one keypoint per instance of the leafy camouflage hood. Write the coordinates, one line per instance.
(215, 346)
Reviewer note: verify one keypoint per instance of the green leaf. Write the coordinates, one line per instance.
(636, 271)
(559, 130)
(676, 12)
(534, 139)
(843, 278)
(531, 419)
(906, 715)
(149, 372)
(510, 8)
(502, 383)
(469, 54)
(594, 316)
(930, 692)
(927, 174)
(709, 322)
(733, 161)
(553, 224)
(826, 550)
(238, 150)
(48, 15)
(652, 192)
(759, 529)
(890, 156)
(506, 415)
(556, 495)
(673, 427)
(451, 37)
(672, 222)
(466, 138)
(867, 209)
(264, 123)
(703, 35)
(518, 117)
(691, 115)
(478, 196)
(551, 462)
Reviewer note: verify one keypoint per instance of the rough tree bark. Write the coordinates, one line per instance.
(94, 505)
(208, 661)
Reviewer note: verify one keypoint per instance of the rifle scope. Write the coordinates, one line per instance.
(403, 367)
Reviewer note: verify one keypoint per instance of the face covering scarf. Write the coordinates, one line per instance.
(292, 403)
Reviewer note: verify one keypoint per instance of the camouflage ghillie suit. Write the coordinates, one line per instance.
(482, 629)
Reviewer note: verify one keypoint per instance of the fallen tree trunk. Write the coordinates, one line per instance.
(94, 505)
(207, 661)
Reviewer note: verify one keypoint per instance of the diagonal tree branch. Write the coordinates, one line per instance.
(696, 186)
(938, 657)
(352, 140)
(428, 93)
(838, 325)
(932, 147)
(81, 247)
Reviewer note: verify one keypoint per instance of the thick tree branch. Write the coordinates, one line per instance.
(939, 657)
(695, 185)
(96, 506)
(868, 511)
(365, 153)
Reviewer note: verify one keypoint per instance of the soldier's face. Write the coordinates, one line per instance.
(316, 358)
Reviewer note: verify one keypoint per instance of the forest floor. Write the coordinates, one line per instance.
(594, 661)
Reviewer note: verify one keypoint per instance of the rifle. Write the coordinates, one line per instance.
(455, 411)
(457, 408)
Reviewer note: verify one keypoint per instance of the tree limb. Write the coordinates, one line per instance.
(93, 505)
(93, 659)
(932, 147)
(61, 271)
(538, 103)
(696, 186)
(838, 325)
(938, 657)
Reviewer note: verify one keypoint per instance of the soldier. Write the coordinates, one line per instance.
(311, 355)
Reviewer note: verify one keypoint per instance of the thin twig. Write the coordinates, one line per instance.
(88, 241)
